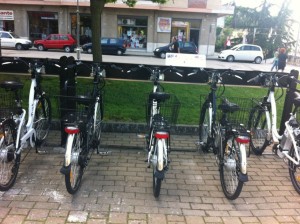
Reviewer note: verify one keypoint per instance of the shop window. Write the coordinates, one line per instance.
(42, 24)
(133, 30)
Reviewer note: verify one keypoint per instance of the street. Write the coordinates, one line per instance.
(138, 57)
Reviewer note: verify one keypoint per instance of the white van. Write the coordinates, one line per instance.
(243, 52)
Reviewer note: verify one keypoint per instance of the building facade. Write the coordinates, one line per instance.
(146, 26)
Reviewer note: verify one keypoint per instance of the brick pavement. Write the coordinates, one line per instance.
(117, 188)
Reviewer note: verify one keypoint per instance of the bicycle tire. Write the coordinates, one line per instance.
(258, 127)
(97, 125)
(293, 168)
(156, 184)
(204, 128)
(230, 169)
(42, 120)
(73, 178)
(9, 163)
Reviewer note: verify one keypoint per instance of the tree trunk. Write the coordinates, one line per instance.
(96, 7)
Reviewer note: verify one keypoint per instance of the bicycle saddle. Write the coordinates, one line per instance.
(11, 85)
(159, 96)
(227, 106)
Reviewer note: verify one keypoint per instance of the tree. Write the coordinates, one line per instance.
(270, 32)
(96, 7)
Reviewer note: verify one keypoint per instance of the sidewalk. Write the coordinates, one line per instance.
(117, 188)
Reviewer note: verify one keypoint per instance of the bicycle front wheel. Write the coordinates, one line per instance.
(97, 126)
(258, 126)
(294, 170)
(204, 127)
(230, 169)
(9, 160)
(73, 178)
(42, 120)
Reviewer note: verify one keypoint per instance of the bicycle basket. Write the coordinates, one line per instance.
(167, 108)
(75, 103)
(237, 111)
(8, 103)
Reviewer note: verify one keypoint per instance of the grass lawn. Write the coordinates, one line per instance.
(125, 100)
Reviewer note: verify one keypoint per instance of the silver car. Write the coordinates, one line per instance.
(11, 40)
(243, 52)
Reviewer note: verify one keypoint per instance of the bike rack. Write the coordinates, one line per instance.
(289, 100)
(66, 76)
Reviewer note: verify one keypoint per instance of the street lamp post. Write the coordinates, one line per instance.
(77, 33)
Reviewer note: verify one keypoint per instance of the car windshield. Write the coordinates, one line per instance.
(14, 35)
(235, 47)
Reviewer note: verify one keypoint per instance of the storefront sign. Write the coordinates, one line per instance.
(186, 60)
(6, 15)
(163, 25)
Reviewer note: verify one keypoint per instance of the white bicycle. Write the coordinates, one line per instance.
(15, 132)
(263, 116)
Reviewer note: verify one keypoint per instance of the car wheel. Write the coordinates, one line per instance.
(19, 47)
(258, 60)
(163, 55)
(40, 47)
(67, 49)
(89, 50)
(230, 58)
(119, 52)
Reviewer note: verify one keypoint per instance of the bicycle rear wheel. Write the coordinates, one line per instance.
(73, 178)
(230, 169)
(294, 170)
(204, 126)
(9, 160)
(258, 127)
(42, 120)
(157, 175)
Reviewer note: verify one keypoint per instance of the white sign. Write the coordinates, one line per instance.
(186, 60)
(6, 15)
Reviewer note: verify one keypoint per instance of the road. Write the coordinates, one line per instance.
(136, 57)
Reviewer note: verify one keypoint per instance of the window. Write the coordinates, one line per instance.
(113, 41)
(104, 41)
(64, 37)
(254, 48)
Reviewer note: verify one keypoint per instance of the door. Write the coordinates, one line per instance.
(7, 40)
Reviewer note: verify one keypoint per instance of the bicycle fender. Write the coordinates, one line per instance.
(69, 144)
(160, 154)
(243, 158)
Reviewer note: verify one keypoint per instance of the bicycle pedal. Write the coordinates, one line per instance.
(141, 135)
(105, 153)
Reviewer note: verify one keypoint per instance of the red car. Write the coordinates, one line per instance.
(56, 41)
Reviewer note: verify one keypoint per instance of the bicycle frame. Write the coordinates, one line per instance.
(30, 133)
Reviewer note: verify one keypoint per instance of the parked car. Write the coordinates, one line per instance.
(56, 41)
(12, 40)
(243, 52)
(185, 48)
(109, 46)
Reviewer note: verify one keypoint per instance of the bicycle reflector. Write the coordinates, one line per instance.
(71, 130)
(161, 134)
(243, 139)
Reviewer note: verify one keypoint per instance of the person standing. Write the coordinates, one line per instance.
(282, 57)
(175, 47)
(227, 43)
(275, 60)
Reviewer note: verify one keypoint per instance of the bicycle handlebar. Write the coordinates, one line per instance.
(155, 70)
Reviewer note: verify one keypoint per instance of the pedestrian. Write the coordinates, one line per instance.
(275, 60)
(175, 47)
(282, 57)
(227, 43)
